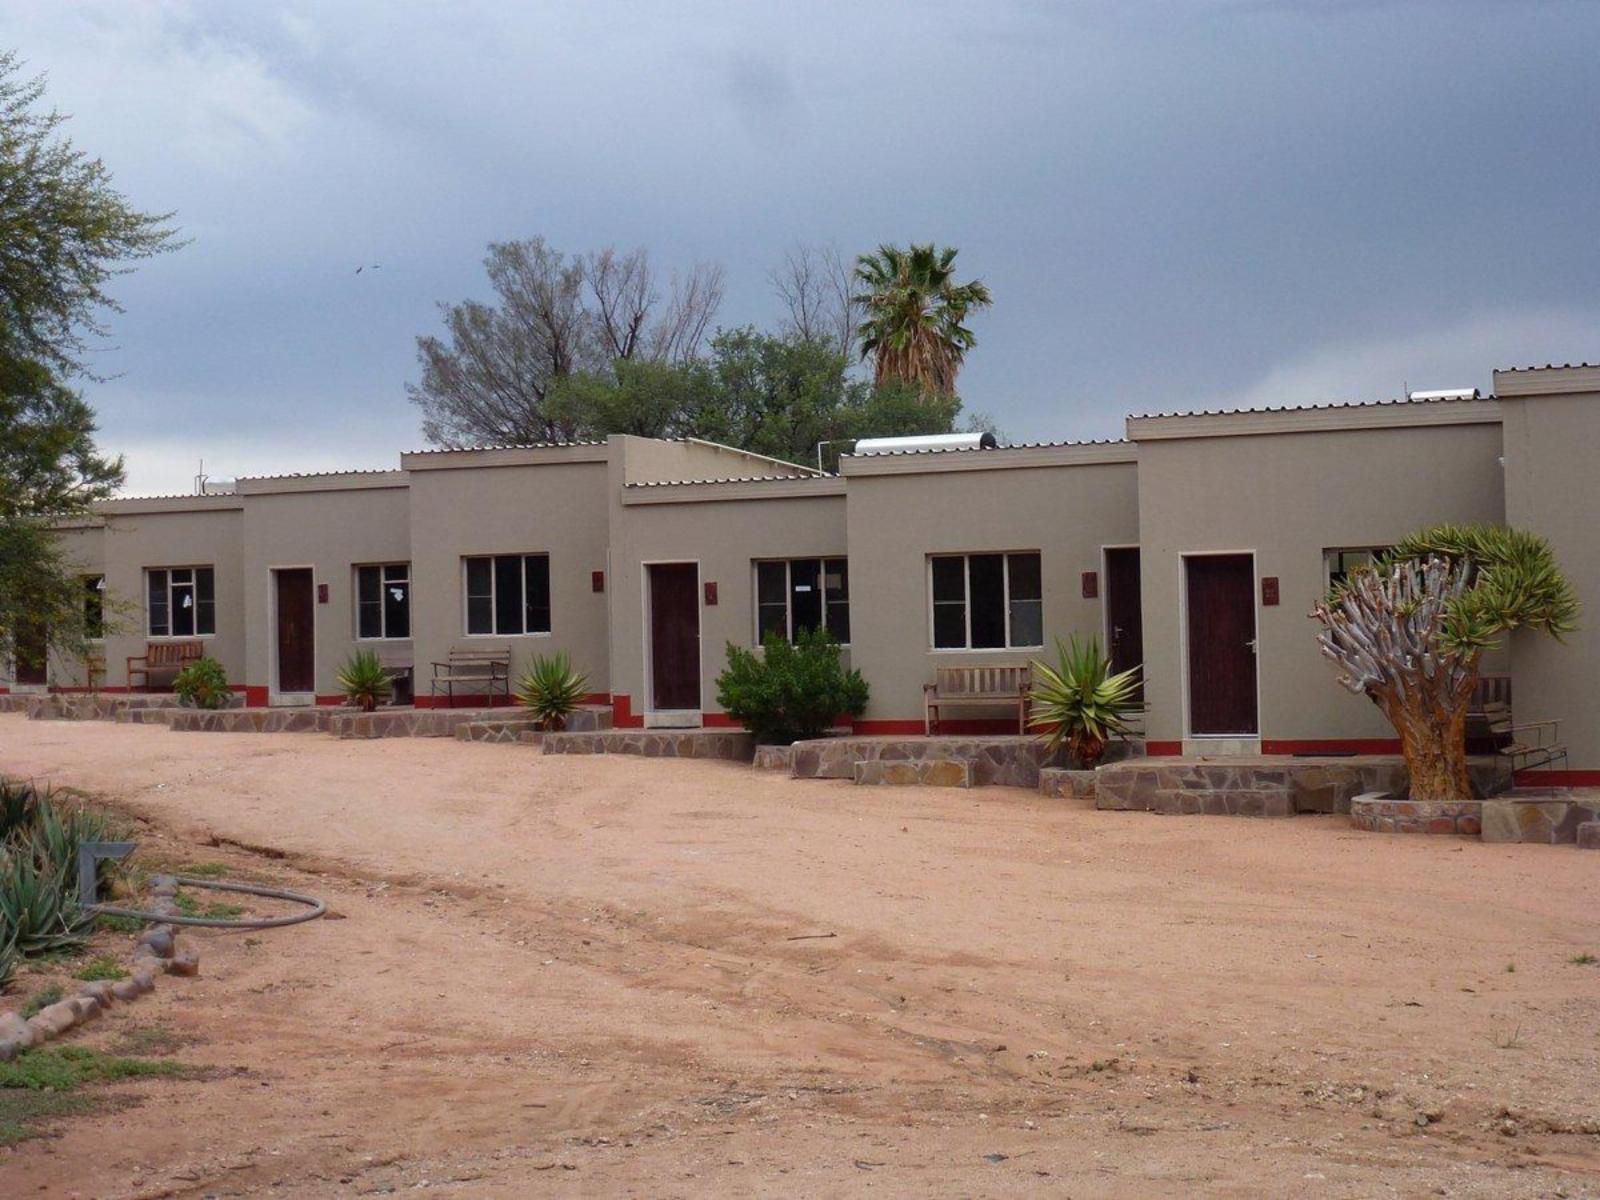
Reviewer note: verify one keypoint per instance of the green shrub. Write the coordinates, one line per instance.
(364, 681)
(790, 692)
(203, 684)
(39, 841)
(551, 690)
(103, 967)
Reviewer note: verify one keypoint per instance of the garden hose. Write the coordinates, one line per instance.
(315, 907)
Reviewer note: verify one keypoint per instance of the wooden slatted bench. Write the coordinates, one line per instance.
(488, 671)
(963, 686)
(163, 656)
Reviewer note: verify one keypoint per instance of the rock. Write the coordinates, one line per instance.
(14, 1032)
(52, 1021)
(185, 962)
(1589, 835)
(101, 990)
(162, 885)
(130, 989)
(161, 940)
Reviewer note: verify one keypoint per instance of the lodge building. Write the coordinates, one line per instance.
(1195, 546)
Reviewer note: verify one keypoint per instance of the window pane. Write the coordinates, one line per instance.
(949, 579)
(368, 585)
(536, 575)
(369, 603)
(398, 572)
(206, 606)
(805, 591)
(182, 575)
(156, 592)
(986, 578)
(772, 618)
(836, 590)
(182, 607)
(508, 594)
(1027, 623)
(1024, 569)
(950, 626)
(397, 609)
(771, 580)
(480, 606)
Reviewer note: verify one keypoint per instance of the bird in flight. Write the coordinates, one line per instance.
(375, 267)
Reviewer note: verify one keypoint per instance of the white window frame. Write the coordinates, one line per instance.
(522, 574)
(383, 569)
(1373, 553)
(169, 636)
(966, 557)
(822, 561)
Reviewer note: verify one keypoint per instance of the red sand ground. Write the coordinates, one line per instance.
(580, 976)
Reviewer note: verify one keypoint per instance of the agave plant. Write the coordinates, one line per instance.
(551, 690)
(1079, 701)
(365, 681)
(38, 912)
(17, 800)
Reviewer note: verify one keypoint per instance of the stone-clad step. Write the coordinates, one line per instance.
(728, 744)
(1213, 788)
(1066, 783)
(925, 772)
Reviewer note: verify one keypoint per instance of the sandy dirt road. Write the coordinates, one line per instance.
(602, 976)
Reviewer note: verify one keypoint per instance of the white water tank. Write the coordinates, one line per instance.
(930, 441)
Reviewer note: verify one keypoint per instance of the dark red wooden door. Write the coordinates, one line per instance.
(32, 654)
(297, 660)
(675, 636)
(1222, 644)
(1124, 611)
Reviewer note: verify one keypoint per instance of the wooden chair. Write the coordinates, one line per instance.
(964, 686)
(163, 657)
(488, 671)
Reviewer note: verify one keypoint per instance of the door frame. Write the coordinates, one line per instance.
(1183, 640)
(647, 708)
(274, 696)
(1105, 589)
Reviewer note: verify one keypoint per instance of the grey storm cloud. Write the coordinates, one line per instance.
(1176, 204)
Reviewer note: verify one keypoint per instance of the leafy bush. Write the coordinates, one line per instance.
(1080, 702)
(790, 692)
(203, 684)
(551, 690)
(364, 681)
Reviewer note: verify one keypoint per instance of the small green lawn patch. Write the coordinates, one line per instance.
(42, 999)
(217, 910)
(151, 1039)
(1583, 960)
(33, 1086)
(62, 1068)
(104, 967)
(109, 923)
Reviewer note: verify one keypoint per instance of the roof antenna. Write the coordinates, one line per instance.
(201, 479)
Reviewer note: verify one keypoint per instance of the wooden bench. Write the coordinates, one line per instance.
(163, 656)
(488, 671)
(1525, 745)
(963, 686)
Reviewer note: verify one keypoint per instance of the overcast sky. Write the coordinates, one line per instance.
(1176, 203)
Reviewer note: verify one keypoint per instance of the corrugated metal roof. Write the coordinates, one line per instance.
(1578, 366)
(322, 474)
(1289, 408)
(996, 450)
(732, 479)
(507, 446)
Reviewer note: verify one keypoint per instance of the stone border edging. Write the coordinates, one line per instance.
(158, 951)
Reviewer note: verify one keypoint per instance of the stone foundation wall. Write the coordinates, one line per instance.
(1213, 788)
(774, 758)
(1064, 783)
(926, 772)
(251, 720)
(1380, 814)
(1551, 820)
(733, 745)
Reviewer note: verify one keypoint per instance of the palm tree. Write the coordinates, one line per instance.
(915, 311)
(1409, 631)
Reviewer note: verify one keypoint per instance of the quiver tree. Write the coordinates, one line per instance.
(1409, 633)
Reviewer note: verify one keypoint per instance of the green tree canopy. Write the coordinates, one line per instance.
(914, 327)
(64, 233)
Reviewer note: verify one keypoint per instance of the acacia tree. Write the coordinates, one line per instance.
(1409, 633)
(915, 313)
(490, 380)
(65, 233)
